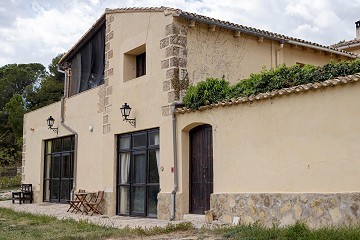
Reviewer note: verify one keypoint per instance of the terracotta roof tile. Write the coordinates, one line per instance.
(346, 43)
(276, 93)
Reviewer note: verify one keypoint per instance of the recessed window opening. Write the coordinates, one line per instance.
(135, 63)
(140, 65)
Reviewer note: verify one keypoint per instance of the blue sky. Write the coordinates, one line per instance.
(36, 31)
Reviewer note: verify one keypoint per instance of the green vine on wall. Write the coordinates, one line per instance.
(179, 84)
(214, 90)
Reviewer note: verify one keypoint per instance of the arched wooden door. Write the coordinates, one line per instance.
(201, 168)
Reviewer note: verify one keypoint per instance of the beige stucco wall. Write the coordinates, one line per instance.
(96, 168)
(35, 130)
(297, 54)
(304, 143)
(143, 94)
(89, 143)
(219, 53)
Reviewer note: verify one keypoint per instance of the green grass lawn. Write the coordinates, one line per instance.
(16, 225)
(298, 231)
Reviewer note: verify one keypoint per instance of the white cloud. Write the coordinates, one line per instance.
(37, 31)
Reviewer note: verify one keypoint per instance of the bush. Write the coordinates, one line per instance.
(214, 90)
(10, 182)
(207, 92)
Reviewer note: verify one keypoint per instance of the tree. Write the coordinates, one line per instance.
(15, 109)
(14, 78)
(23, 88)
(49, 90)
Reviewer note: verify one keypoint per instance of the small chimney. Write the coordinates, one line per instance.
(357, 24)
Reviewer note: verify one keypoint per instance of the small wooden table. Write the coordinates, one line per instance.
(82, 198)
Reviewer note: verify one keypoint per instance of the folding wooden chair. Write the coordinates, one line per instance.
(93, 205)
(75, 204)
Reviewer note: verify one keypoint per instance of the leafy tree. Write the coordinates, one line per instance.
(15, 109)
(23, 88)
(53, 69)
(14, 78)
(49, 90)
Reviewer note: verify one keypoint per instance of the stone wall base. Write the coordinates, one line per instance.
(314, 209)
(108, 205)
(164, 204)
(37, 196)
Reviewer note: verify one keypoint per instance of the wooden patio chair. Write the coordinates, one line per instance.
(25, 194)
(75, 204)
(93, 205)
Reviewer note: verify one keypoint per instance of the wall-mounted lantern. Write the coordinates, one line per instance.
(50, 123)
(125, 112)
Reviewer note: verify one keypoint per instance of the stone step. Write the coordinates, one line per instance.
(194, 218)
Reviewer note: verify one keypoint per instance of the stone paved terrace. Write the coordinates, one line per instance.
(60, 211)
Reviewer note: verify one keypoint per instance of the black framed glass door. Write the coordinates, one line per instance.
(58, 169)
(137, 173)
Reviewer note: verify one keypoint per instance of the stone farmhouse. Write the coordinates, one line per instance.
(283, 156)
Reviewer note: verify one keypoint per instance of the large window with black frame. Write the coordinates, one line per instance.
(58, 169)
(137, 173)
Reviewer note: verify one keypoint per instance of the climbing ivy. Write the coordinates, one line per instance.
(214, 90)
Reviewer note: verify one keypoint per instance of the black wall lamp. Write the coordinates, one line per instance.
(50, 123)
(125, 112)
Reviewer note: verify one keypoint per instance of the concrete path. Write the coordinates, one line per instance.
(60, 211)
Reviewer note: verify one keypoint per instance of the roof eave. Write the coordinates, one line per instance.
(259, 34)
(234, 27)
(333, 51)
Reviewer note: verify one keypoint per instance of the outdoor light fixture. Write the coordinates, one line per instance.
(125, 112)
(50, 123)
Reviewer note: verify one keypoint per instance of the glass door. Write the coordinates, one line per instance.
(138, 186)
(58, 169)
(137, 173)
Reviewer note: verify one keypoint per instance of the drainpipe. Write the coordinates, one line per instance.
(70, 130)
(174, 105)
(278, 54)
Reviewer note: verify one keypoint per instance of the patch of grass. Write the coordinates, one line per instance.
(298, 231)
(8, 183)
(15, 225)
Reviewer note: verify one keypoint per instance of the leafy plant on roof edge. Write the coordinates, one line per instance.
(214, 90)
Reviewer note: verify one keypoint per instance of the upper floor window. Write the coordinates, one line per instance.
(140, 64)
(87, 64)
(135, 63)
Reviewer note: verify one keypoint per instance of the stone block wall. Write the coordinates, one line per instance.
(174, 63)
(164, 206)
(106, 90)
(107, 206)
(23, 151)
(314, 209)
